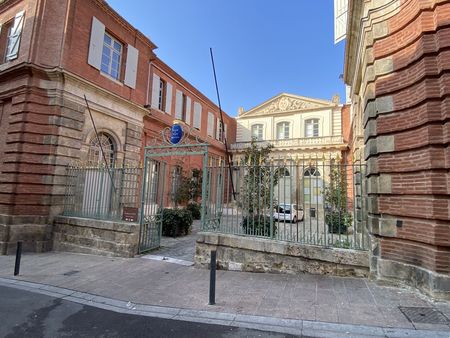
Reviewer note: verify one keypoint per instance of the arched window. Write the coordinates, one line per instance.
(282, 130)
(312, 128)
(95, 156)
(257, 132)
(283, 172)
(312, 172)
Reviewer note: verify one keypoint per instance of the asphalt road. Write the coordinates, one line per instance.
(27, 314)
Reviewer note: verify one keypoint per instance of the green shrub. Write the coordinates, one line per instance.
(176, 222)
(194, 208)
(258, 225)
(338, 222)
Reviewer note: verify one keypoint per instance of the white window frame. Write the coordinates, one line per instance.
(315, 127)
(258, 131)
(112, 51)
(285, 134)
(162, 94)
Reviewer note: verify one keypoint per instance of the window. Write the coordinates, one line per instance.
(312, 128)
(219, 131)
(111, 56)
(95, 156)
(10, 38)
(108, 55)
(282, 130)
(162, 94)
(311, 172)
(257, 132)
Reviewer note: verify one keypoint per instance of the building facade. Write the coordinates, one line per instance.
(58, 58)
(396, 63)
(306, 135)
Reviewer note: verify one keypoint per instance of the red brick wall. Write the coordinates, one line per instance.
(419, 122)
(77, 47)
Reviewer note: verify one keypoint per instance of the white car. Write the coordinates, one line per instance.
(288, 213)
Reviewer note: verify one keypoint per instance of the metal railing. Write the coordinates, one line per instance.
(309, 202)
(292, 142)
(102, 193)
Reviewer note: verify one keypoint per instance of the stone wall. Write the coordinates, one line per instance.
(265, 255)
(97, 237)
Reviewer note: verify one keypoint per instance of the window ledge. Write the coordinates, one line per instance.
(111, 78)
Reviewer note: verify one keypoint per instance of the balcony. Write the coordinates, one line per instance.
(306, 142)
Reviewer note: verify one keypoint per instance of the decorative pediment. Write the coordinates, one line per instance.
(287, 103)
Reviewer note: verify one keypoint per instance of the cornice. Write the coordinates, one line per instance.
(103, 5)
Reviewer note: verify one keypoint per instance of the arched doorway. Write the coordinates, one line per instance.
(284, 189)
(312, 186)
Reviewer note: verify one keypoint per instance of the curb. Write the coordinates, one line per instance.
(287, 326)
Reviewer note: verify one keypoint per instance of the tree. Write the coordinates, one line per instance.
(337, 217)
(187, 188)
(258, 182)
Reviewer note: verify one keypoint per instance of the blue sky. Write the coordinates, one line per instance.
(261, 47)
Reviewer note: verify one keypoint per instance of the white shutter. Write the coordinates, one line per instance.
(12, 50)
(197, 115)
(340, 20)
(178, 104)
(131, 66)
(96, 43)
(218, 129)
(210, 130)
(168, 107)
(188, 110)
(155, 91)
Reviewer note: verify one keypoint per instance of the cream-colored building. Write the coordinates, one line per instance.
(306, 134)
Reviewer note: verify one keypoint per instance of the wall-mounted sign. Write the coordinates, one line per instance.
(130, 214)
(176, 133)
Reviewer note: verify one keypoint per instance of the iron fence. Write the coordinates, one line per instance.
(103, 193)
(313, 202)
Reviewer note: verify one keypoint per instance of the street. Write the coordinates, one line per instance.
(27, 314)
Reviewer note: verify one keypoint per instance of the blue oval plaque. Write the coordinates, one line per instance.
(176, 133)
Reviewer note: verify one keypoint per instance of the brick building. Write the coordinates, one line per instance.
(54, 53)
(397, 63)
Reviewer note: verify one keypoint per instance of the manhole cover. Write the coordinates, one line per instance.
(426, 315)
(70, 273)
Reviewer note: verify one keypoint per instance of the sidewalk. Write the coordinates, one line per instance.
(303, 297)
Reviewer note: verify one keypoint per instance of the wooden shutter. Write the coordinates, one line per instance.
(168, 107)
(155, 91)
(218, 130)
(210, 128)
(340, 20)
(178, 104)
(96, 43)
(131, 66)
(225, 129)
(12, 50)
(197, 115)
(188, 110)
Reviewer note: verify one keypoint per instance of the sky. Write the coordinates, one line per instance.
(261, 47)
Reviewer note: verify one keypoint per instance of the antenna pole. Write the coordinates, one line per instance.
(222, 126)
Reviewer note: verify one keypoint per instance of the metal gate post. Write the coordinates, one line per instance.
(204, 188)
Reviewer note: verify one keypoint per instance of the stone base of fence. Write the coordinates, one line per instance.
(265, 255)
(35, 233)
(83, 235)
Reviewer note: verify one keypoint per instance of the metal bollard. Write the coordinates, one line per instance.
(212, 279)
(18, 256)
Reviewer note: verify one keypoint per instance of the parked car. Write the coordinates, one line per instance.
(288, 212)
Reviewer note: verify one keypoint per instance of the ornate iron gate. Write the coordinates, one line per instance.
(162, 163)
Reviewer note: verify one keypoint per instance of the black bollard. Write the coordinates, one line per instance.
(212, 279)
(18, 256)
